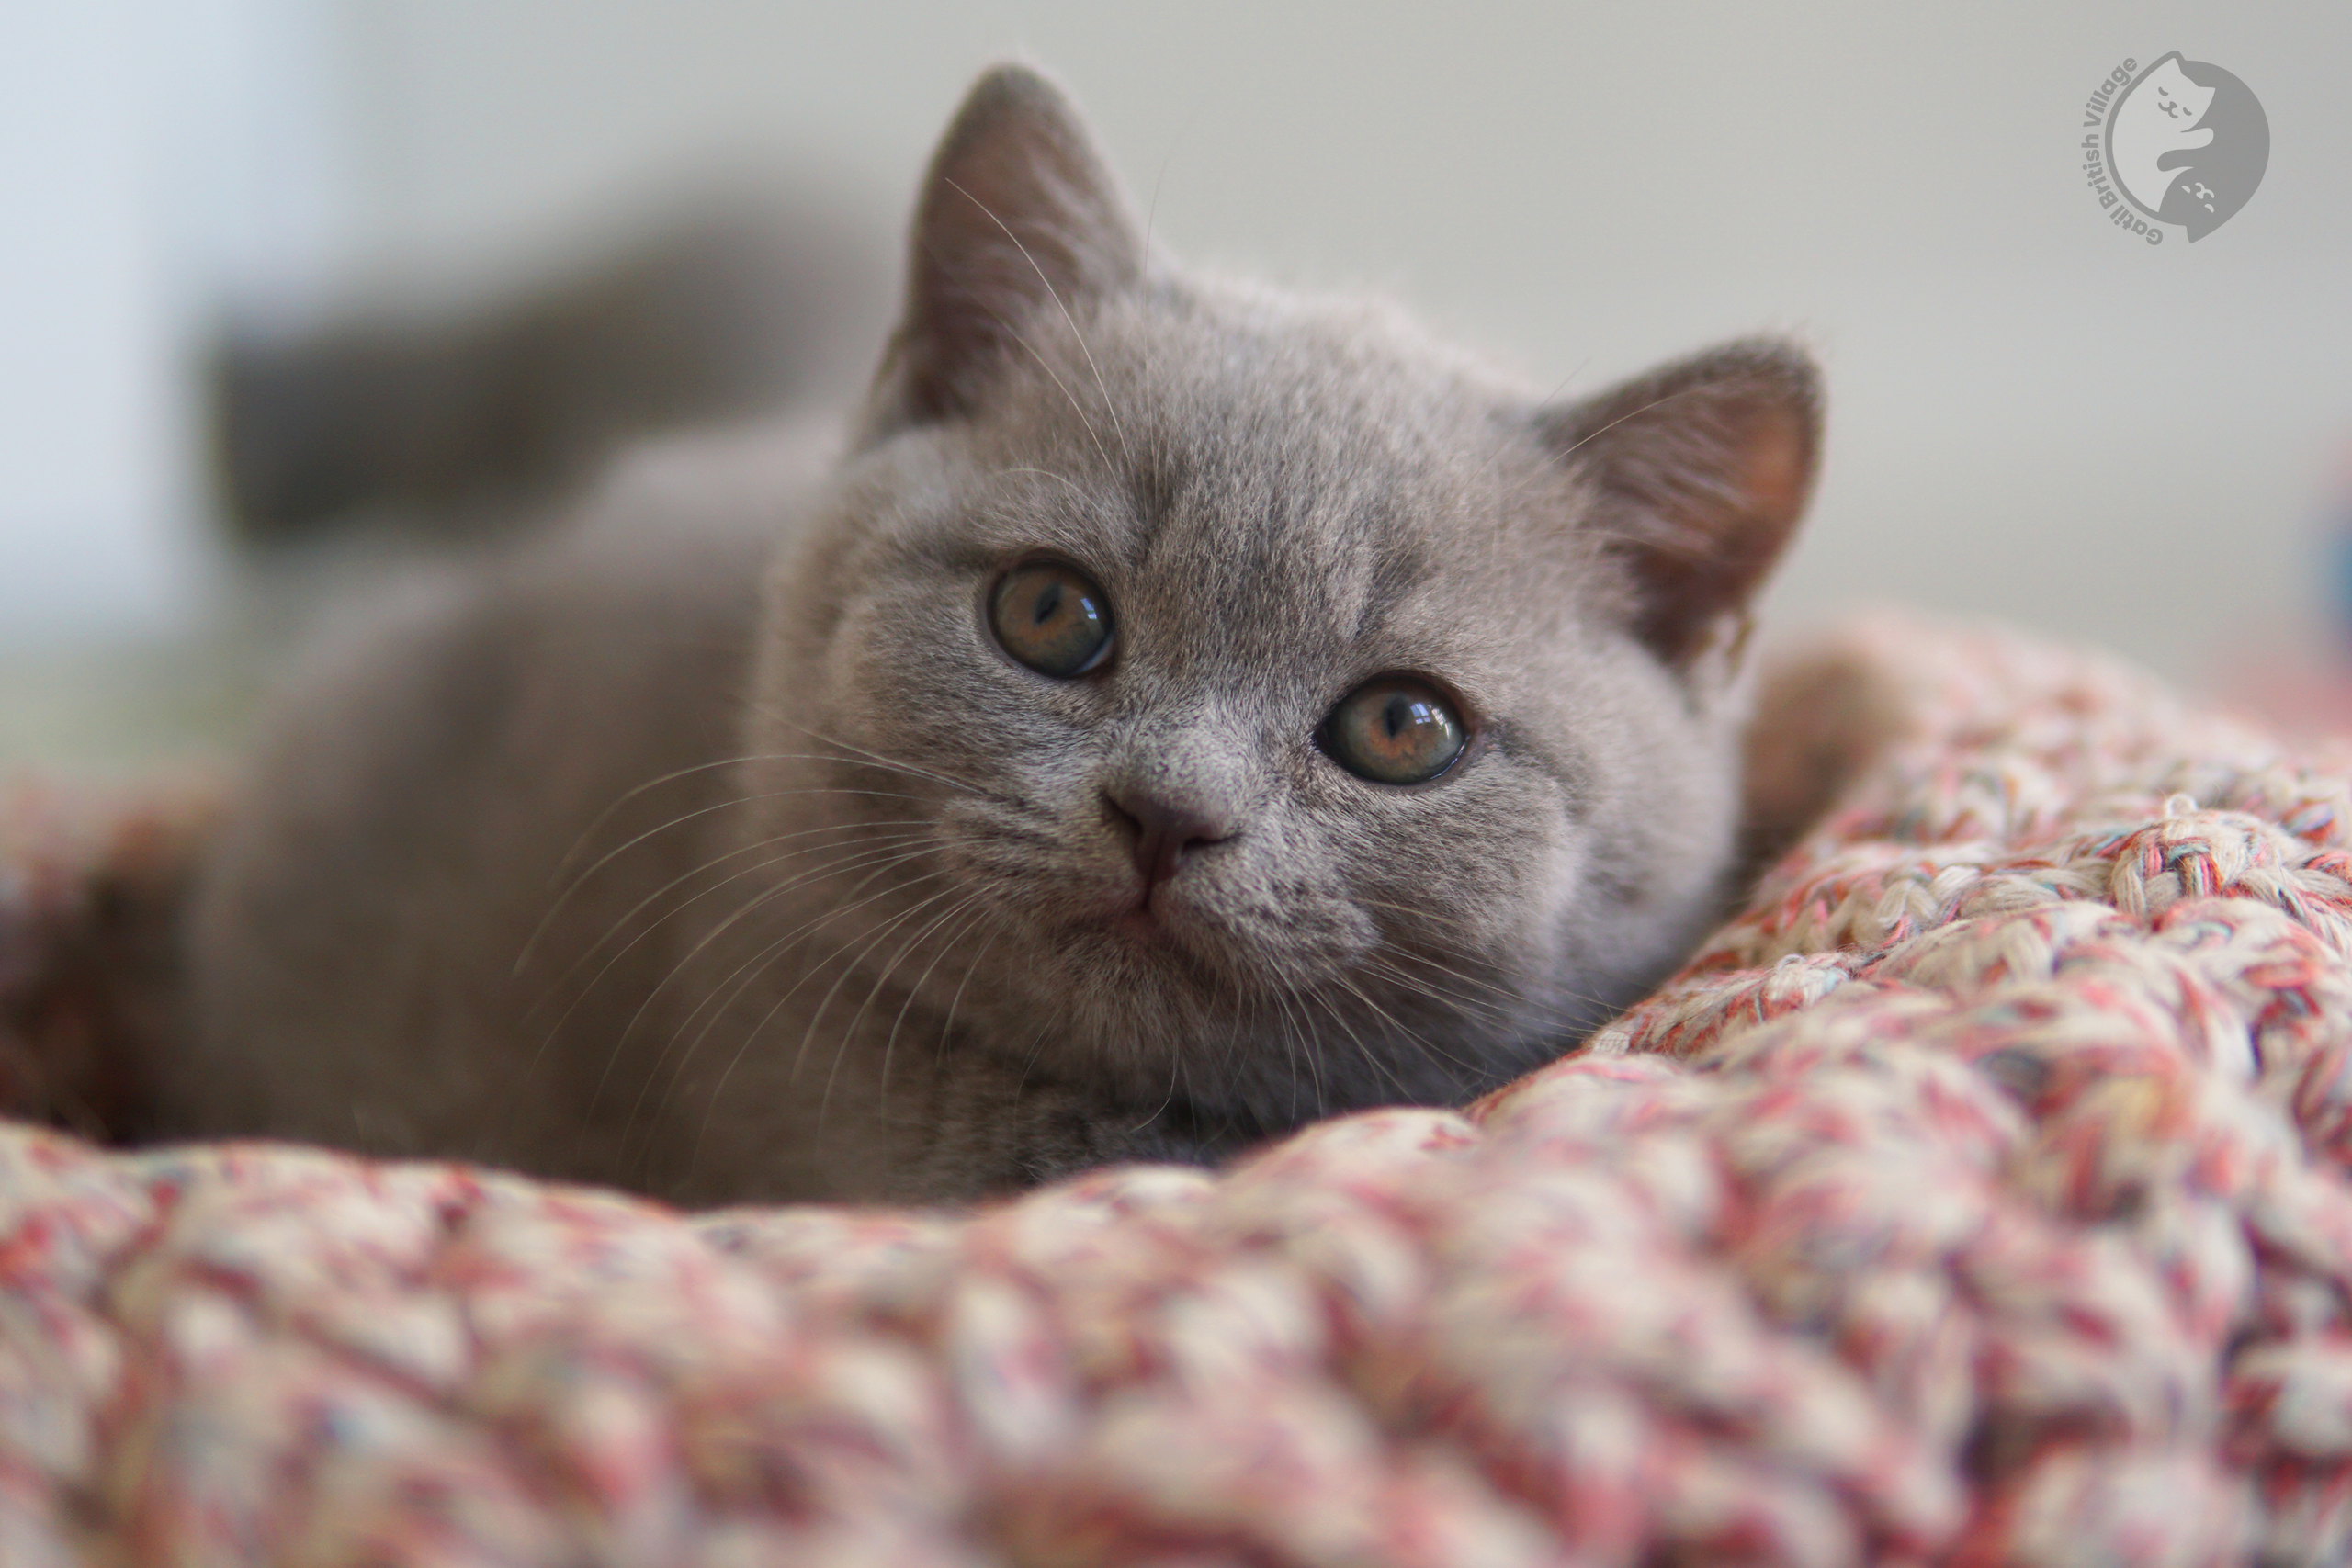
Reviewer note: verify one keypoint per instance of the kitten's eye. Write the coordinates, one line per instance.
(1052, 618)
(1395, 730)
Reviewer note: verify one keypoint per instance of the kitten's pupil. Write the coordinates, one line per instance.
(1048, 602)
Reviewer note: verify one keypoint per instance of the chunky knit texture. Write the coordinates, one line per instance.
(1978, 1195)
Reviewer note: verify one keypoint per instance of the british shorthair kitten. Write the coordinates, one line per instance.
(1170, 711)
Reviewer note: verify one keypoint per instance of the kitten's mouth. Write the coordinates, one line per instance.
(1141, 922)
(1136, 917)
(1143, 915)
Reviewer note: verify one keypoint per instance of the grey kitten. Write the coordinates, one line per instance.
(1176, 711)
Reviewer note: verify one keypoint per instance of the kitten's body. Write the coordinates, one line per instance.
(891, 914)
(433, 807)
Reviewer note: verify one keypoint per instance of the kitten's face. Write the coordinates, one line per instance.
(1297, 726)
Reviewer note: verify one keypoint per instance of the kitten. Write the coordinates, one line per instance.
(1175, 710)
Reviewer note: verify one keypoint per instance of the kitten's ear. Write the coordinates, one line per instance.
(1701, 470)
(1018, 215)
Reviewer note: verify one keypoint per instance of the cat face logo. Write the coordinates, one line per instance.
(2187, 142)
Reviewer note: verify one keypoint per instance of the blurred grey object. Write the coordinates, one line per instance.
(457, 416)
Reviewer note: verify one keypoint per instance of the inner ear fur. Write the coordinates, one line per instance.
(1018, 215)
(1700, 472)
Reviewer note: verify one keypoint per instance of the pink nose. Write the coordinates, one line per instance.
(1163, 833)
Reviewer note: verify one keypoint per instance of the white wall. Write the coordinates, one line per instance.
(93, 484)
(2034, 414)
(156, 158)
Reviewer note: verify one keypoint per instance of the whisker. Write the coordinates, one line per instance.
(633, 791)
(1657, 403)
(540, 932)
(848, 967)
(1503, 454)
(948, 1027)
(868, 842)
(890, 1042)
(859, 850)
(1516, 999)
(1469, 951)
(1482, 1016)
(872, 861)
(880, 760)
(1072, 485)
(1416, 912)
(1428, 1046)
(1021, 340)
(1371, 1057)
(1029, 1063)
(1301, 1045)
(1175, 1066)
(1109, 406)
(718, 1089)
(623, 798)
(741, 979)
(1485, 992)
(861, 858)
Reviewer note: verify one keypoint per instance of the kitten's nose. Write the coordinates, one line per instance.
(1163, 831)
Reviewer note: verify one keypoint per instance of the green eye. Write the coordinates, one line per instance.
(1395, 729)
(1052, 618)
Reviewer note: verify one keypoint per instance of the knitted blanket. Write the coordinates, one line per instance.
(1977, 1196)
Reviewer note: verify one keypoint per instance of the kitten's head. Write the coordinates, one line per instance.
(1299, 714)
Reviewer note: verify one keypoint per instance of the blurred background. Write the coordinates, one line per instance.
(292, 291)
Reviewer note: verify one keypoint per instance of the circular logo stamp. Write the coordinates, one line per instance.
(2181, 142)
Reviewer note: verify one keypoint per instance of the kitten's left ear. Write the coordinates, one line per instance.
(1018, 216)
(1701, 471)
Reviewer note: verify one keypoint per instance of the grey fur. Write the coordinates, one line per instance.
(1281, 497)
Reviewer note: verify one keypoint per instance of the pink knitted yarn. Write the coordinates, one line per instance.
(1978, 1196)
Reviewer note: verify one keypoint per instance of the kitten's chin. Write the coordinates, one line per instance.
(1137, 923)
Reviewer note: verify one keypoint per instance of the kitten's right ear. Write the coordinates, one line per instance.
(1700, 472)
(1018, 215)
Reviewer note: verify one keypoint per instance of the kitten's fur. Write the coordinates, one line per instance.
(909, 954)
